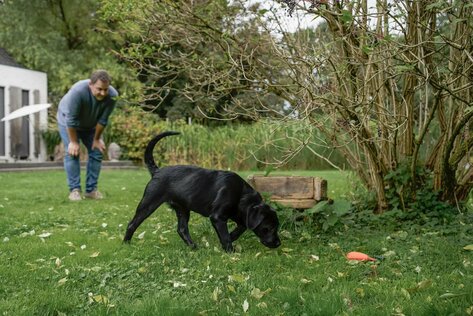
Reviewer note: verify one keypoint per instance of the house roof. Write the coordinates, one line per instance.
(6, 59)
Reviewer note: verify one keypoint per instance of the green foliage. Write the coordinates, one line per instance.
(188, 55)
(411, 201)
(66, 39)
(327, 216)
(416, 198)
(132, 130)
(51, 138)
(234, 146)
(329, 213)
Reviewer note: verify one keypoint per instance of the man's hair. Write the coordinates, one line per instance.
(100, 75)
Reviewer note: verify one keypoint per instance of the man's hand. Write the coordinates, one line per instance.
(99, 144)
(73, 149)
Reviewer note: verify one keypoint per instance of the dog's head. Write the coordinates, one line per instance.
(263, 221)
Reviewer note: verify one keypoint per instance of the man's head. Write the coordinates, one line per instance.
(99, 82)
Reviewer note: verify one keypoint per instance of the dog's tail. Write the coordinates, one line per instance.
(149, 160)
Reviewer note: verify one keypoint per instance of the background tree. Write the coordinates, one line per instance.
(196, 58)
(399, 92)
(65, 39)
(388, 85)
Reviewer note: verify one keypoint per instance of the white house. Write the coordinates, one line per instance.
(20, 139)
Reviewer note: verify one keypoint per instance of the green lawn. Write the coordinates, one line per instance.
(64, 258)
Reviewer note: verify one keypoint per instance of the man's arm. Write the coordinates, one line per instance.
(98, 142)
(73, 147)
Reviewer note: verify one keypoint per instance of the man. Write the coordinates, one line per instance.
(82, 116)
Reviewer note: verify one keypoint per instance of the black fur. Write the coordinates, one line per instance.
(219, 195)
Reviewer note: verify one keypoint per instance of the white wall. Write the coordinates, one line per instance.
(30, 80)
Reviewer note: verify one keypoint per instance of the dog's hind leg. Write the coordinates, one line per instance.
(183, 225)
(143, 211)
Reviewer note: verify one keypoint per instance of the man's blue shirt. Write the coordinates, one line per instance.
(81, 110)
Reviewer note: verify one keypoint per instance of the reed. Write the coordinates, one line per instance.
(234, 146)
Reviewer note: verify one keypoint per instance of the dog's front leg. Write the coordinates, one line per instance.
(236, 233)
(221, 228)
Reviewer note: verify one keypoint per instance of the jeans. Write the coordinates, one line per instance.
(72, 164)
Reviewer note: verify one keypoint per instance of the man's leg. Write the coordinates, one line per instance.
(71, 164)
(94, 163)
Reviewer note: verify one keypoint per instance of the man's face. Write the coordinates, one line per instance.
(99, 89)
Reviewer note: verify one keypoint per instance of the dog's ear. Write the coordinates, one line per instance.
(254, 216)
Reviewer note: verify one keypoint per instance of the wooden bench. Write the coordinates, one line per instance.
(293, 191)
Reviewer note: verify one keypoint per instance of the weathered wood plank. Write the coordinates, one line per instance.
(282, 187)
(296, 203)
(320, 189)
(291, 191)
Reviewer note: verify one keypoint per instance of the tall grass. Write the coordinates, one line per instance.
(247, 147)
(233, 146)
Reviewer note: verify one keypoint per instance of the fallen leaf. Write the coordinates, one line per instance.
(44, 235)
(360, 292)
(257, 293)
(314, 258)
(178, 284)
(422, 285)
(62, 281)
(215, 294)
(406, 293)
(469, 247)
(100, 299)
(58, 262)
(451, 295)
(246, 306)
(95, 254)
(142, 270)
(389, 253)
(142, 235)
(237, 278)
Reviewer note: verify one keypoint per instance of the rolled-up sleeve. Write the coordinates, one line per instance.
(103, 120)
(74, 105)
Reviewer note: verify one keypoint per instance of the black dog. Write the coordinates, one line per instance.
(219, 195)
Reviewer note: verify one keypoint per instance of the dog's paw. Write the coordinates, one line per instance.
(229, 249)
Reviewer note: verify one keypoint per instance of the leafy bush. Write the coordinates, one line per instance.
(325, 215)
(413, 201)
(132, 130)
(51, 138)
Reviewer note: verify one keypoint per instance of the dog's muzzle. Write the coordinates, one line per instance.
(272, 244)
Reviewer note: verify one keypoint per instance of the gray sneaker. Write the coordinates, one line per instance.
(75, 195)
(94, 195)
